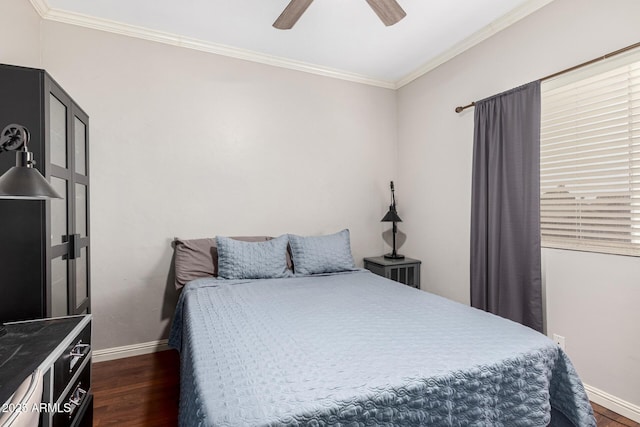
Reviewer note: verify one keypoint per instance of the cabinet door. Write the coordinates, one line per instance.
(82, 273)
(58, 150)
(67, 152)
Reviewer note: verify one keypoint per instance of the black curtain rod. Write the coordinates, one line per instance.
(575, 67)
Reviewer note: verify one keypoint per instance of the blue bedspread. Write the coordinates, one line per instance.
(355, 349)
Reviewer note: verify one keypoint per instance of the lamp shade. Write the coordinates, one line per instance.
(391, 216)
(22, 182)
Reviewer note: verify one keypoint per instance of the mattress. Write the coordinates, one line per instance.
(356, 349)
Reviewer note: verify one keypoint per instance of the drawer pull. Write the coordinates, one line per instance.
(76, 399)
(77, 353)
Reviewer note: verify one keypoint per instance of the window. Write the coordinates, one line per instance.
(590, 158)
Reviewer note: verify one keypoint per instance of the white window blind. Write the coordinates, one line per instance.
(590, 158)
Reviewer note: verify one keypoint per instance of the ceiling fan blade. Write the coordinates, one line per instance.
(389, 11)
(291, 14)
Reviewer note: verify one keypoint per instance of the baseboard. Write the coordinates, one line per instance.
(129, 350)
(613, 403)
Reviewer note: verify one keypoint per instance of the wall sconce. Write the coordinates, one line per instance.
(22, 181)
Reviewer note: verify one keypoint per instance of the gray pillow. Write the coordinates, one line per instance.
(196, 258)
(193, 259)
(252, 260)
(321, 254)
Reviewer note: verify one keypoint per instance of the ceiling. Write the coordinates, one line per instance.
(342, 37)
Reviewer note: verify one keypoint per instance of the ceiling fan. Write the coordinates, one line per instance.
(389, 11)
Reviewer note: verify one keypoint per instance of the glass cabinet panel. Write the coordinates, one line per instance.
(82, 279)
(59, 293)
(59, 212)
(58, 131)
(81, 146)
(81, 210)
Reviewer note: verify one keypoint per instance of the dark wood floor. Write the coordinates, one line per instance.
(607, 418)
(144, 390)
(137, 391)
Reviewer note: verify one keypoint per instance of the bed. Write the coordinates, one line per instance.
(356, 349)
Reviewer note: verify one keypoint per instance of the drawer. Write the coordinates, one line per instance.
(68, 364)
(76, 401)
(85, 414)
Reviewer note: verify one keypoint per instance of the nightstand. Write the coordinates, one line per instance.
(406, 270)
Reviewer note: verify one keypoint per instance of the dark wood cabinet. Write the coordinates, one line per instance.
(45, 245)
(60, 349)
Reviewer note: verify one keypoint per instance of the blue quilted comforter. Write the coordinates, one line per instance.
(355, 349)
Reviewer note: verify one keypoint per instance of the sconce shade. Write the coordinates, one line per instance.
(21, 182)
(391, 216)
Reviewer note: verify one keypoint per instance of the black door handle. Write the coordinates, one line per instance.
(74, 246)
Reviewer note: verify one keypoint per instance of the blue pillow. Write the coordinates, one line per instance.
(321, 254)
(252, 260)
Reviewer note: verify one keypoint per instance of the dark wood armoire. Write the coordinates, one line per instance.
(45, 244)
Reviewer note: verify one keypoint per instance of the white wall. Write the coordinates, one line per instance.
(19, 34)
(591, 298)
(190, 144)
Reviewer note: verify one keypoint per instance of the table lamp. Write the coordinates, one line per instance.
(392, 216)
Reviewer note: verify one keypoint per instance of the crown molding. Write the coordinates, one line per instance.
(46, 12)
(479, 36)
(204, 46)
(41, 6)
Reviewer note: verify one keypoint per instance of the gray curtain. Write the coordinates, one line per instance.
(505, 211)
